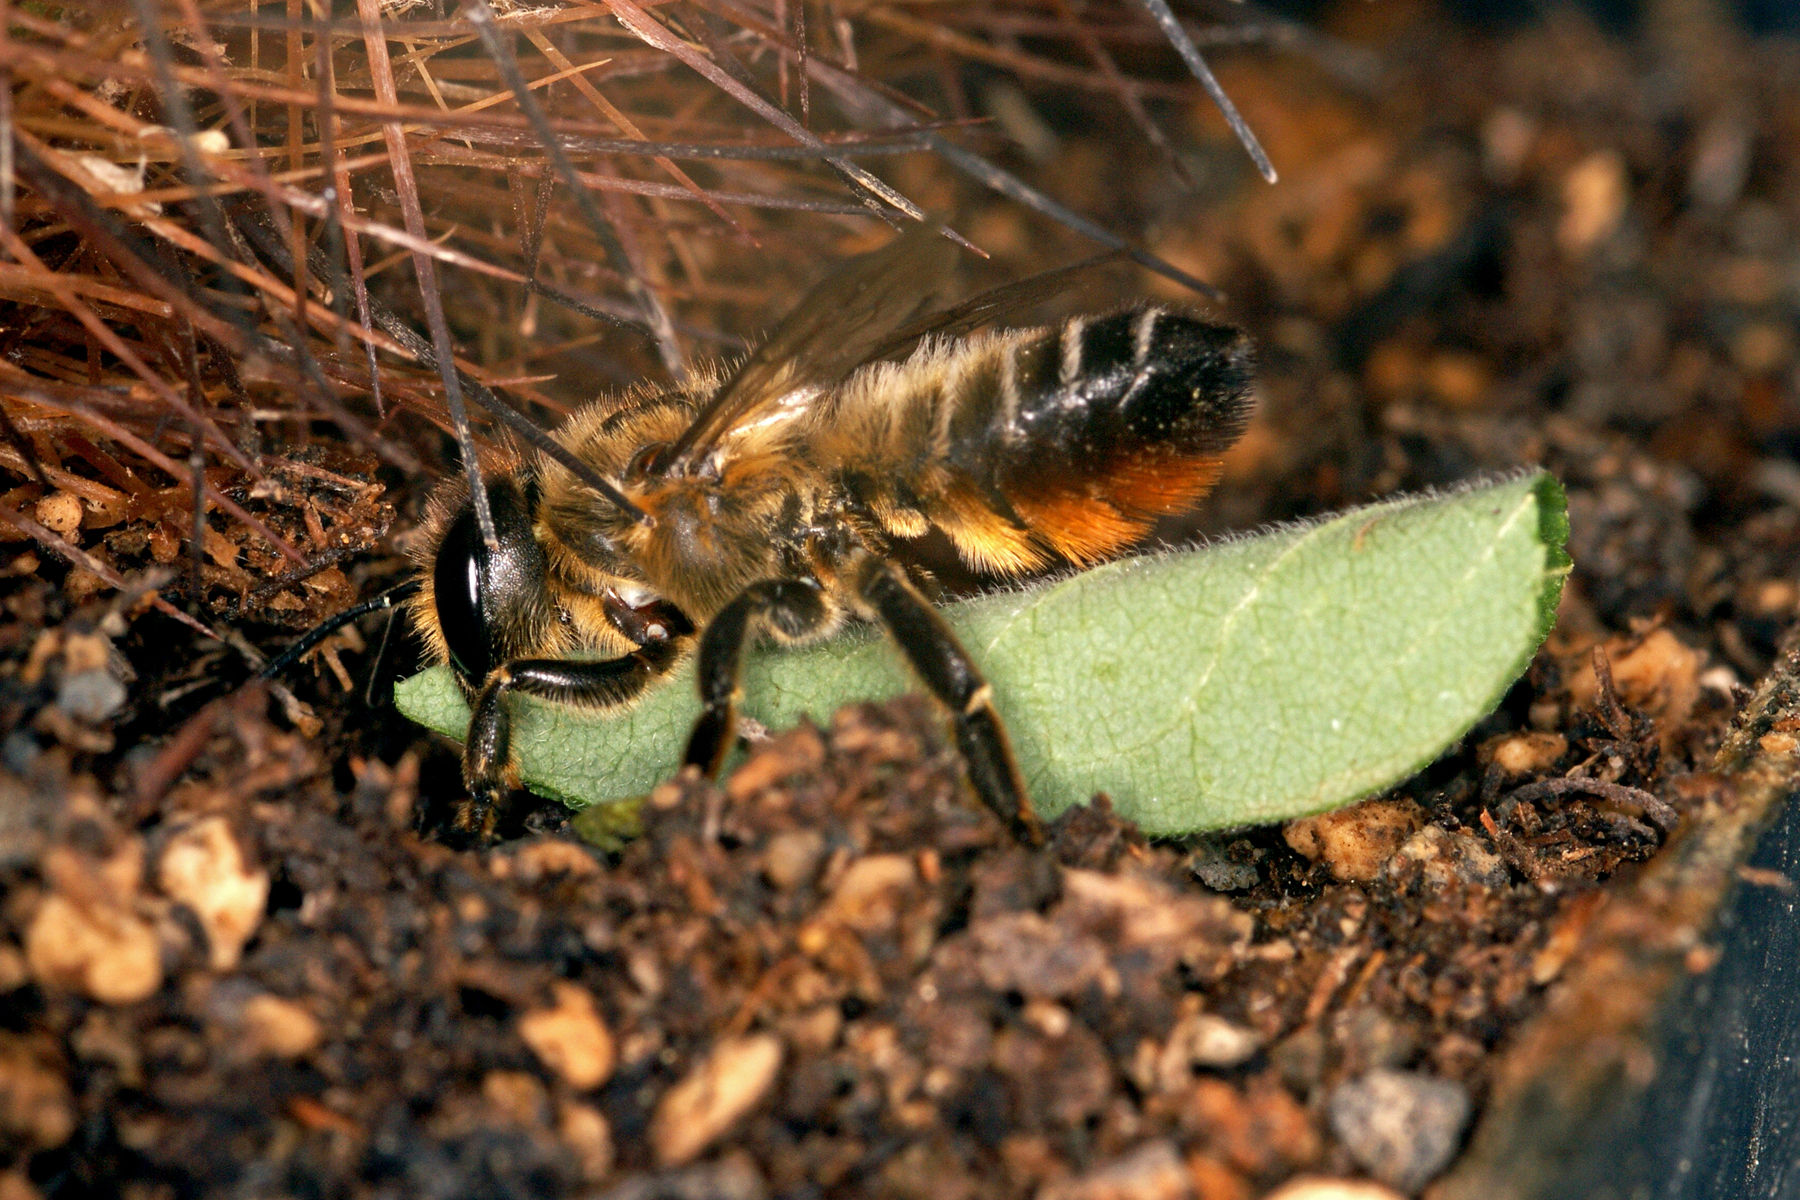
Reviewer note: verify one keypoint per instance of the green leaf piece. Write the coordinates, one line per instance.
(1243, 682)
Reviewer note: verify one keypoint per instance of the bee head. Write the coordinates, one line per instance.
(490, 604)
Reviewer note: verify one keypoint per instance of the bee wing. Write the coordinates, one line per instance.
(838, 326)
(996, 304)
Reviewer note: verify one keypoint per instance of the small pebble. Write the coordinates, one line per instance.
(869, 893)
(1778, 744)
(36, 1110)
(1029, 954)
(91, 696)
(584, 1130)
(1525, 753)
(1507, 137)
(1443, 858)
(516, 1097)
(1214, 868)
(204, 868)
(1153, 1171)
(279, 1028)
(1203, 1040)
(1720, 161)
(103, 951)
(1595, 193)
(713, 1097)
(570, 1038)
(1776, 597)
(791, 857)
(543, 860)
(1400, 1126)
(15, 1186)
(1762, 348)
(1458, 380)
(1356, 842)
(59, 512)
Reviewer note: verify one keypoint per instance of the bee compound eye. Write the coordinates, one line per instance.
(457, 585)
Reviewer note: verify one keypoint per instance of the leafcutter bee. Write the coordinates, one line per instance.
(791, 493)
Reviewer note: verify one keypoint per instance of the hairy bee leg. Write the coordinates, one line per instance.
(489, 771)
(946, 668)
(793, 607)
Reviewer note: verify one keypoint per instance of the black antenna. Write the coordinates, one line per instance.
(330, 625)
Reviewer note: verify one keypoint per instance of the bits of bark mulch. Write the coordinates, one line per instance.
(324, 501)
(833, 972)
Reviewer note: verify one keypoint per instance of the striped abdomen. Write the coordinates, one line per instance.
(1035, 445)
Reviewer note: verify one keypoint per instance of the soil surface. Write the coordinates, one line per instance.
(249, 956)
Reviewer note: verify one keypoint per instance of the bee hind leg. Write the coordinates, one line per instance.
(490, 771)
(947, 670)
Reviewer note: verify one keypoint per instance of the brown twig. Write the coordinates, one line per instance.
(1632, 799)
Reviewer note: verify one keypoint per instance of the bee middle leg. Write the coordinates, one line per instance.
(794, 608)
(490, 773)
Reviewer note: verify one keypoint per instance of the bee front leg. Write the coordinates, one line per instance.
(946, 668)
(490, 772)
(794, 608)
